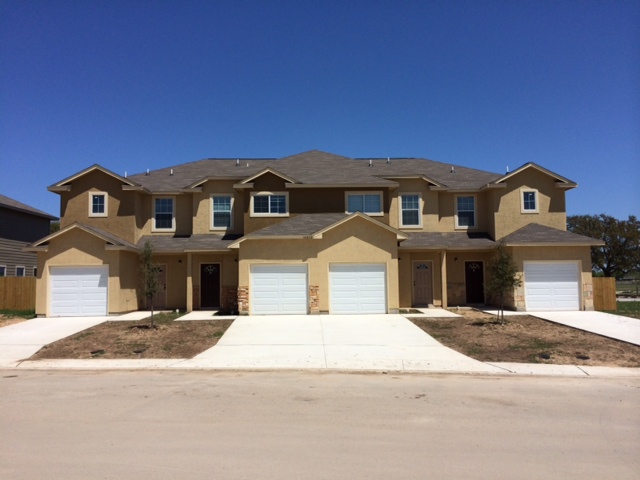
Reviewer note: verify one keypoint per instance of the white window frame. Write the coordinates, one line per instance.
(269, 214)
(372, 214)
(24, 271)
(173, 214)
(523, 191)
(420, 205)
(475, 212)
(106, 204)
(231, 213)
(3, 270)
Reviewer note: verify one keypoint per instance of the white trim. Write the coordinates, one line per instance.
(475, 212)
(231, 212)
(524, 190)
(105, 195)
(420, 208)
(363, 193)
(269, 214)
(173, 213)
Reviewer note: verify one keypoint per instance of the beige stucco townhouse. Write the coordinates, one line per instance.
(310, 233)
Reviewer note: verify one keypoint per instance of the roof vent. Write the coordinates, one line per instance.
(507, 168)
(125, 174)
(370, 163)
(247, 164)
(171, 172)
(388, 160)
(147, 172)
(453, 169)
(237, 162)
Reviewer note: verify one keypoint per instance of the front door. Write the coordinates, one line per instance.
(474, 281)
(422, 283)
(160, 298)
(210, 285)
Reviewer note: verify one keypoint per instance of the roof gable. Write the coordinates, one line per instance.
(63, 185)
(12, 204)
(563, 181)
(113, 242)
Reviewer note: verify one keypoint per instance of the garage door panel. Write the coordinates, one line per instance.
(278, 289)
(358, 288)
(552, 286)
(78, 291)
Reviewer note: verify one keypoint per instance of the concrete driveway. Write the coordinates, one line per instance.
(622, 328)
(342, 342)
(21, 340)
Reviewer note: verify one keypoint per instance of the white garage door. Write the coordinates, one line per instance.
(278, 289)
(78, 291)
(551, 286)
(358, 289)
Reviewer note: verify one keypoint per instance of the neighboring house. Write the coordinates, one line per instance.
(20, 225)
(311, 233)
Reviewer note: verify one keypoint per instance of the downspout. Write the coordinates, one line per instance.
(189, 285)
(443, 277)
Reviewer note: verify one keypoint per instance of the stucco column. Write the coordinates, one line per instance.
(189, 285)
(443, 276)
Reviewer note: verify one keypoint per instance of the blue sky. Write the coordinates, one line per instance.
(132, 85)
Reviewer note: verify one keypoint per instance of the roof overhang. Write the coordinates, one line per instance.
(64, 185)
(272, 171)
(562, 182)
(111, 242)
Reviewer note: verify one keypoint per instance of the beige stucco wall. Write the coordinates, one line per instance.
(121, 211)
(551, 203)
(580, 255)
(78, 248)
(202, 207)
(183, 211)
(356, 241)
(429, 205)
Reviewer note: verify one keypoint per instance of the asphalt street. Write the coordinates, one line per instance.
(244, 425)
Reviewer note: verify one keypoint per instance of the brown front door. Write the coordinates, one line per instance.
(160, 298)
(474, 281)
(422, 283)
(210, 285)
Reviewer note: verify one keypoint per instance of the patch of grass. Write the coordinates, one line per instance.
(163, 318)
(28, 314)
(628, 309)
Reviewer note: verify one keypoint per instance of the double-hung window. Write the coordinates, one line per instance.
(163, 214)
(365, 202)
(3, 270)
(222, 207)
(410, 210)
(465, 211)
(97, 204)
(20, 271)
(270, 204)
(529, 201)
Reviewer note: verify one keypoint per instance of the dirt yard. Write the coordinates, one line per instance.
(526, 339)
(132, 340)
(6, 320)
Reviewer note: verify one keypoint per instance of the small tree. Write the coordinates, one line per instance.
(502, 276)
(149, 273)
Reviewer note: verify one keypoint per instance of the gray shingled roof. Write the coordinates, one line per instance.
(535, 233)
(16, 205)
(207, 242)
(302, 225)
(449, 241)
(319, 168)
(110, 237)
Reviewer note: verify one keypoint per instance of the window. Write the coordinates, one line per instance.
(3, 270)
(365, 202)
(35, 271)
(465, 211)
(270, 204)
(20, 271)
(97, 204)
(163, 218)
(410, 210)
(529, 201)
(222, 207)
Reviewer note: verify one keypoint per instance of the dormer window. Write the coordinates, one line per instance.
(163, 214)
(365, 202)
(529, 201)
(270, 204)
(97, 204)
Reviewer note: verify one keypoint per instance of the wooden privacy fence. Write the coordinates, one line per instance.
(604, 293)
(17, 293)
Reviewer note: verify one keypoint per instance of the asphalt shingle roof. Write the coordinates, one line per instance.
(316, 168)
(207, 242)
(16, 205)
(302, 225)
(540, 234)
(449, 241)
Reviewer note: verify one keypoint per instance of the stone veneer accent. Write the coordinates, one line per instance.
(587, 296)
(456, 294)
(314, 299)
(229, 300)
(243, 300)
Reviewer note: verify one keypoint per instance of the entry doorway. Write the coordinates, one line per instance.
(474, 281)
(422, 283)
(210, 285)
(159, 300)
